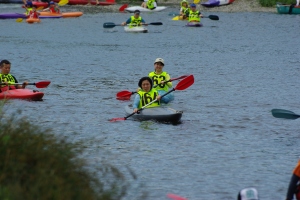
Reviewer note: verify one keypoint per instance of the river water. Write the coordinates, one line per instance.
(244, 65)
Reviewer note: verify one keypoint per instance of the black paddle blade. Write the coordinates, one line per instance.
(213, 17)
(285, 114)
(109, 25)
(185, 83)
(156, 23)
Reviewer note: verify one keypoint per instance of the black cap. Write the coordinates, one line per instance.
(137, 11)
(4, 62)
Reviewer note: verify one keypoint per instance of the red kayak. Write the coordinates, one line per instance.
(27, 94)
(39, 4)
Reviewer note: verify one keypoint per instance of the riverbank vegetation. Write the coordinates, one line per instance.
(37, 164)
(269, 3)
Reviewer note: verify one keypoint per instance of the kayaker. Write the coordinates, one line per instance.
(28, 7)
(158, 76)
(135, 20)
(33, 13)
(294, 188)
(194, 15)
(53, 8)
(146, 95)
(184, 9)
(149, 4)
(7, 78)
(248, 194)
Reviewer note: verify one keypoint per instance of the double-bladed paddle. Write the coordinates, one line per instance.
(111, 24)
(182, 85)
(285, 114)
(125, 94)
(41, 84)
(212, 17)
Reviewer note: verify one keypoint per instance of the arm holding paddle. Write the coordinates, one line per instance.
(134, 19)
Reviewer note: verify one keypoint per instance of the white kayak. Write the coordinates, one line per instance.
(160, 114)
(141, 9)
(136, 29)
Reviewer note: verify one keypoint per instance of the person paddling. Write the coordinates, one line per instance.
(33, 13)
(7, 79)
(135, 20)
(184, 9)
(160, 78)
(53, 8)
(194, 15)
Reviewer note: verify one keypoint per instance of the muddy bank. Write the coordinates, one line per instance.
(236, 6)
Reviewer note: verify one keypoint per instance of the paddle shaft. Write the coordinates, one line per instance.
(111, 25)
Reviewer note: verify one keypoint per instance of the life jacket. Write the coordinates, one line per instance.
(147, 97)
(33, 14)
(28, 10)
(54, 10)
(10, 79)
(150, 4)
(135, 22)
(194, 16)
(185, 10)
(156, 79)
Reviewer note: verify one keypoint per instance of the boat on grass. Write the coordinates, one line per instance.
(214, 3)
(160, 114)
(287, 9)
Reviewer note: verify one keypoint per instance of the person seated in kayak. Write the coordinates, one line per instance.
(294, 188)
(184, 9)
(28, 7)
(248, 194)
(135, 20)
(7, 79)
(150, 4)
(53, 8)
(159, 77)
(33, 13)
(194, 15)
(146, 95)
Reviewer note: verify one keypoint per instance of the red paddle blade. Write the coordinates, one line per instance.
(124, 95)
(175, 197)
(42, 84)
(185, 83)
(117, 119)
(122, 8)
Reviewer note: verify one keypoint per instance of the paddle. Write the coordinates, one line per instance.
(182, 85)
(63, 2)
(125, 95)
(122, 8)
(286, 114)
(175, 197)
(212, 17)
(196, 1)
(41, 84)
(111, 24)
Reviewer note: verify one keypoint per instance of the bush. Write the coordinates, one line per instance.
(270, 3)
(35, 164)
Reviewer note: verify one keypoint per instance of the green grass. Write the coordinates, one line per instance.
(270, 3)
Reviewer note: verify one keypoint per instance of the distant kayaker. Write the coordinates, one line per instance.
(53, 8)
(248, 194)
(33, 13)
(294, 188)
(6, 78)
(194, 15)
(28, 7)
(149, 4)
(135, 20)
(146, 95)
(184, 9)
(159, 77)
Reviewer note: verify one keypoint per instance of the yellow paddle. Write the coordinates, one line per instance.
(177, 18)
(19, 20)
(63, 2)
(196, 1)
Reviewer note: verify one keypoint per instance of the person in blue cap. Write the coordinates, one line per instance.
(135, 20)
(194, 15)
(28, 7)
(53, 8)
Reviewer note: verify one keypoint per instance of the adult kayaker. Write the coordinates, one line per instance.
(294, 184)
(33, 13)
(149, 4)
(135, 20)
(184, 9)
(194, 15)
(159, 77)
(7, 79)
(146, 95)
(53, 8)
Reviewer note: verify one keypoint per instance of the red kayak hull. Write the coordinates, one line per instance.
(26, 94)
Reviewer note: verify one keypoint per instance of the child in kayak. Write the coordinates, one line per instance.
(135, 20)
(194, 15)
(184, 9)
(53, 8)
(33, 13)
(159, 77)
(7, 79)
(149, 4)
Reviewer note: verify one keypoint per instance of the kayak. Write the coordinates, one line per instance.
(141, 9)
(66, 14)
(38, 4)
(92, 2)
(194, 24)
(27, 94)
(12, 16)
(33, 20)
(160, 114)
(136, 29)
(213, 3)
(287, 9)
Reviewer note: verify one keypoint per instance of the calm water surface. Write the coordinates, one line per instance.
(244, 65)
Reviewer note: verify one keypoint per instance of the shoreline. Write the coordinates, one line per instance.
(236, 6)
